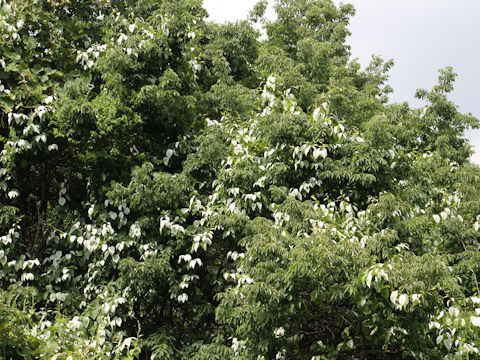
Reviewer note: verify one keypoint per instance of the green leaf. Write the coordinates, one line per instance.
(49, 71)
(31, 43)
(11, 66)
(86, 76)
(6, 101)
(37, 68)
(12, 55)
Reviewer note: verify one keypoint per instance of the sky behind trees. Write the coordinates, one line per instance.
(421, 37)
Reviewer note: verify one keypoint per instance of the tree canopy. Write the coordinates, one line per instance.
(174, 188)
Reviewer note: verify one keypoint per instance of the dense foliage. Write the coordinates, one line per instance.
(172, 188)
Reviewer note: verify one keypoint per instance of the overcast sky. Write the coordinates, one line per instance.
(421, 36)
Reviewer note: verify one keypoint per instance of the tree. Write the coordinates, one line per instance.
(174, 188)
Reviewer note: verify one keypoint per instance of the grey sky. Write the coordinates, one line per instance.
(421, 36)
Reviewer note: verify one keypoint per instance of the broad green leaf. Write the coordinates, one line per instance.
(12, 55)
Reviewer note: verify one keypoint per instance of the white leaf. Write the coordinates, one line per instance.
(62, 201)
(131, 28)
(415, 297)
(444, 215)
(448, 343)
(454, 311)
(323, 153)
(393, 296)
(475, 320)
(182, 298)
(436, 218)
(122, 38)
(306, 150)
(128, 342)
(424, 112)
(13, 194)
(369, 279)
(402, 299)
(439, 339)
